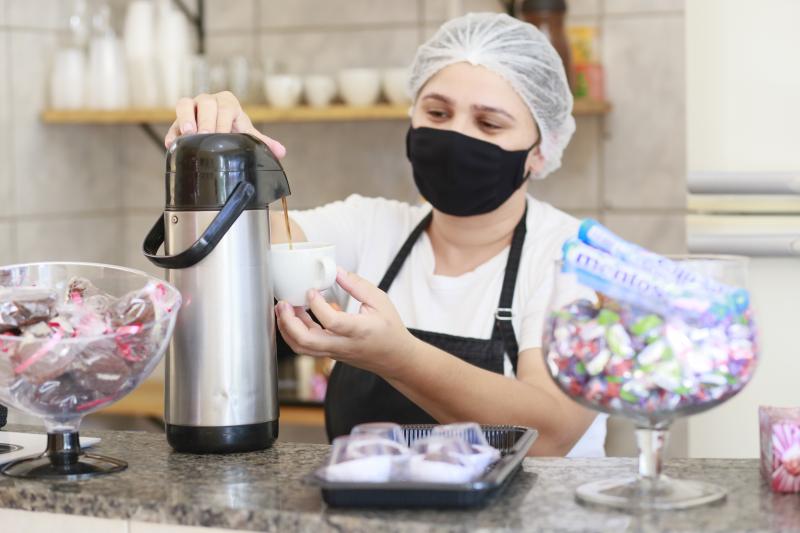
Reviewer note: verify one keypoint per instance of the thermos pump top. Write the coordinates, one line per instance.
(221, 379)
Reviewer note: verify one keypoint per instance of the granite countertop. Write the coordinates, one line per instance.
(266, 491)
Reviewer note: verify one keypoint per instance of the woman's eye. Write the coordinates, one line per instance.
(489, 125)
(435, 113)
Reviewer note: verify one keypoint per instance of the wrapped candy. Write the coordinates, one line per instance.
(23, 306)
(386, 430)
(40, 355)
(376, 453)
(440, 459)
(480, 453)
(101, 368)
(76, 351)
(364, 458)
(135, 308)
(662, 338)
(780, 447)
(84, 293)
(646, 364)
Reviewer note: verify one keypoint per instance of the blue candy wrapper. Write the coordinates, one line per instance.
(628, 283)
(598, 236)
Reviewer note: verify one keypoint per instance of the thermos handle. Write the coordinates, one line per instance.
(234, 206)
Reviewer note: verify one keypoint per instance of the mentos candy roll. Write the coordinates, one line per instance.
(598, 236)
(630, 284)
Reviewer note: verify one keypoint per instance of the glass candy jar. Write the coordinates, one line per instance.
(74, 338)
(624, 359)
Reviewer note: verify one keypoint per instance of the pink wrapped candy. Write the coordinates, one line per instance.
(780, 447)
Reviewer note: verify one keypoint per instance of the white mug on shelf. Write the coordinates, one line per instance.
(68, 79)
(283, 90)
(360, 87)
(319, 90)
(139, 39)
(107, 80)
(395, 85)
(304, 266)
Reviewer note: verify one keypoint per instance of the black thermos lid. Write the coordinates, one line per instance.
(204, 169)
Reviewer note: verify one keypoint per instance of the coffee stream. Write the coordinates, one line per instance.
(286, 222)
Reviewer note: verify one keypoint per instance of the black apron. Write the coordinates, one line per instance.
(356, 396)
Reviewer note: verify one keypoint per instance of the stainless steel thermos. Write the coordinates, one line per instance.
(221, 379)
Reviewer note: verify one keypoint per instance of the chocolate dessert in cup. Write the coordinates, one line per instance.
(74, 338)
(651, 352)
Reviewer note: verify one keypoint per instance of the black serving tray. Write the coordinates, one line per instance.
(512, 441)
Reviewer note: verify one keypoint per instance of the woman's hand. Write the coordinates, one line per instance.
(375, 339)
(216, 113)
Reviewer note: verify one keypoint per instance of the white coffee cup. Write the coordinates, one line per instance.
(306, 266)
(319, 90)
(395, 85)
(283, 90)
(360, 87)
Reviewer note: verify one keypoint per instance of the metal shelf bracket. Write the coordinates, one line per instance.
(197, 20)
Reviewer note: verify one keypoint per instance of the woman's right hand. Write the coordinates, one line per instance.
(216, 113)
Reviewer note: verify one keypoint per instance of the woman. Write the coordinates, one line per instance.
(445, 302)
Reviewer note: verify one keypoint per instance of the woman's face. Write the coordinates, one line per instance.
(475, 101)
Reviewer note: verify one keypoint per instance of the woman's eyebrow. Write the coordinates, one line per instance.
(439, 97)
(489, 109)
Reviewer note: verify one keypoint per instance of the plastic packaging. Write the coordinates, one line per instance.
(618, 279)
(598, 236)
(364, 458)
(71, 351)
(386, 430)
(440, 459)
(780, 447)
(511, 442)
(23, 306)
(481, 453)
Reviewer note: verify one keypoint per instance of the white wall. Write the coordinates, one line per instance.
(743, 111)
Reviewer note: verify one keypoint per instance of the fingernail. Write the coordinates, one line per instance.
(312, 294)
(203, 131)
(341, 271)
(187, 127)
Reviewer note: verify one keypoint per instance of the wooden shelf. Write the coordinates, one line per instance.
(147, 400)
(262, 114)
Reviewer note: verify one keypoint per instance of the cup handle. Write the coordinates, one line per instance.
(328, 269)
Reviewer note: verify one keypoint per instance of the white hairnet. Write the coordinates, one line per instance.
(518, 52)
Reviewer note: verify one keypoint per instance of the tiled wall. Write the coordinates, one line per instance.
(77, 192)
(59, 186)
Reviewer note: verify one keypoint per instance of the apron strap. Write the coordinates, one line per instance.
(401, 256)
(503, 328)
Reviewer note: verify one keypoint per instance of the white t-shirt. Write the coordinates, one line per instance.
(368, 232)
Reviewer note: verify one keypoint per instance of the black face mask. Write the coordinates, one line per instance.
(461, 175)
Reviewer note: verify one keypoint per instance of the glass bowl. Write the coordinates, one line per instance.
(627, 358)
(74, 338)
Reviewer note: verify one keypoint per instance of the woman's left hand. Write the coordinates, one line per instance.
(375, 339)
